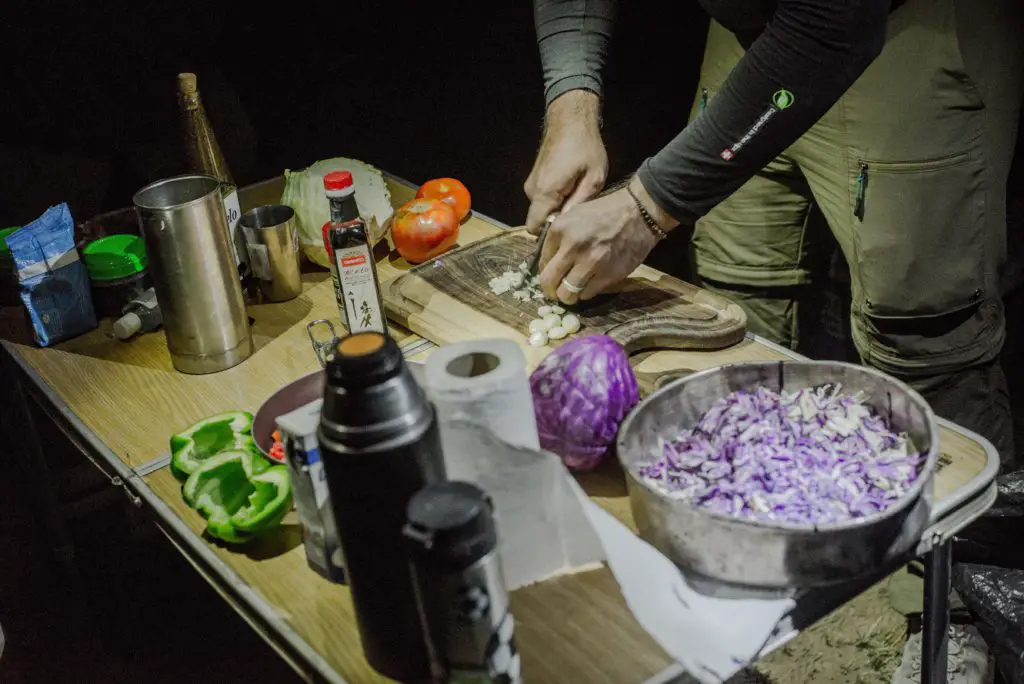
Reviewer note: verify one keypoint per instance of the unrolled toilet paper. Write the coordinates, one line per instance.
(548, 525)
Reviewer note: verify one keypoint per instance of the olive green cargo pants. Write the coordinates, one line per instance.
(909, 170)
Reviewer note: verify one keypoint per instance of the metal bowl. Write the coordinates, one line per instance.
(774, 555)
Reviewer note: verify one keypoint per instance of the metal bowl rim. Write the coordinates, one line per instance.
(904, 502)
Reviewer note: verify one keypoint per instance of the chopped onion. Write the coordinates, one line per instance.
(811, 456)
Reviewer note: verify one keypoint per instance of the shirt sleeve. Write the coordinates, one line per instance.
(809, 54)
(573, 37)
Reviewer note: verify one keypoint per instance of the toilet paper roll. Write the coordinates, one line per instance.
(485, 382)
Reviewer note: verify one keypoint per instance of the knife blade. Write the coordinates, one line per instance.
(535, 259)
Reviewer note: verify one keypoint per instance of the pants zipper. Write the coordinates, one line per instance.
(862, 181)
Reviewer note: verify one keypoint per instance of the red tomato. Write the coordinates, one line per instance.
(424, 228)
(447, 190)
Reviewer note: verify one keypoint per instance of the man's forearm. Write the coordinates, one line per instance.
(807, 57)
(573, 37)
(573, 108)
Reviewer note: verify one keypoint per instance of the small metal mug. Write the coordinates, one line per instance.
(272, 241)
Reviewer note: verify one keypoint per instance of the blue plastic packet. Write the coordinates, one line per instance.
(53, 282)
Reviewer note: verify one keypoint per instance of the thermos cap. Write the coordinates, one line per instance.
(363, 359)
(451, 523)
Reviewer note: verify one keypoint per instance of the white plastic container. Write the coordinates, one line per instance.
(302, 453)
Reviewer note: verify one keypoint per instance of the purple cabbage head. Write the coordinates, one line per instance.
(581, 393)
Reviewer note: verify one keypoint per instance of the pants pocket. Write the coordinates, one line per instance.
(922, 270)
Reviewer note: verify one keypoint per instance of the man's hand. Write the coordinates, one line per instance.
(598, 244)
(572, 164)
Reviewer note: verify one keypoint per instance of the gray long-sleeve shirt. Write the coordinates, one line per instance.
(807, 53)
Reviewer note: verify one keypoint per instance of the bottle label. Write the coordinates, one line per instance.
(359, 289)
(233, 212)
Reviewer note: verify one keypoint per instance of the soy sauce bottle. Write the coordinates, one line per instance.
(380, 444)
(352, 266)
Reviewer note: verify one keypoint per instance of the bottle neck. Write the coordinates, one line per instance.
(344, 209)
(204, 154)
(190, 101)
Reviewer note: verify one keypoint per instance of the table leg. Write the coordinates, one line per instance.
(41, 482)
(935, 636)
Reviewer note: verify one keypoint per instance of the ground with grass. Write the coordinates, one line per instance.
(860, 643)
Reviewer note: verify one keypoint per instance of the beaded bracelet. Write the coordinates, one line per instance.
(649, 221)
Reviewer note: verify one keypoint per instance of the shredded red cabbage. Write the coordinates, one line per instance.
(812, 456)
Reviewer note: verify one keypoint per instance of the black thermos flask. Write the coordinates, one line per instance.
(380, 444)
(460, 590)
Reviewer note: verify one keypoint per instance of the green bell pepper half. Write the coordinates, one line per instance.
(209, 437)
(238, 497)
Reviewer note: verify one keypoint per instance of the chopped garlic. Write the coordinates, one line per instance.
(540, 325)
(522, 295)
(552, 320)
(557, 332)
(503, 283)
(571, 323)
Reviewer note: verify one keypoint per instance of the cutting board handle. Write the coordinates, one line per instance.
(675, 332)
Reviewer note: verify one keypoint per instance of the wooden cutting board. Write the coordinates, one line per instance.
(448, 299)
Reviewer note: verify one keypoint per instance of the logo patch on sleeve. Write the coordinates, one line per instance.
(781, 99)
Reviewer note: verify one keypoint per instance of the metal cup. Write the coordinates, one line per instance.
(194, 274)
(271, 238)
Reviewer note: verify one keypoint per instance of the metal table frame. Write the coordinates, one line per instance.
(950, 516)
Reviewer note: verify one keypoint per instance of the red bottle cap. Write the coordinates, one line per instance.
(338, 180)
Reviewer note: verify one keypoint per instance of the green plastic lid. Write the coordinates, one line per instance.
(115, 257)
(4, 249)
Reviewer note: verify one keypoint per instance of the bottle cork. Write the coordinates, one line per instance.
(187, 85)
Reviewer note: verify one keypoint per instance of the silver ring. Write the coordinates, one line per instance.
(575, 289)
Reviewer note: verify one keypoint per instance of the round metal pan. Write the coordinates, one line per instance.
(774, 555)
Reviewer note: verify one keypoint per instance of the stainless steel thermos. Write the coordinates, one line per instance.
(380, 444)
(460, 591)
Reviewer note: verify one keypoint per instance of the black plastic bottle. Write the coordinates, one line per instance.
(380, 444)
(460, 591)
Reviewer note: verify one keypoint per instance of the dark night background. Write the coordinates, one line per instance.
(419, 89)
(89, 115)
